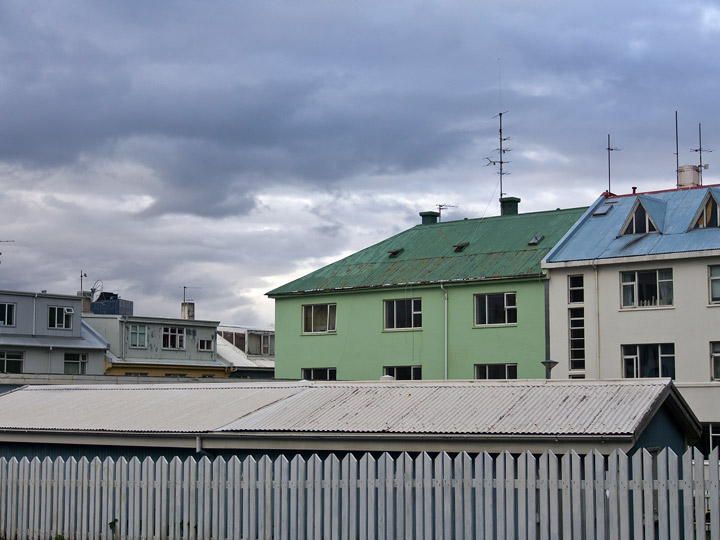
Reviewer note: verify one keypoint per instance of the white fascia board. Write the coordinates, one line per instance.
(636, 258)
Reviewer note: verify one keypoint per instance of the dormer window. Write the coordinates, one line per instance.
(639, 222)
(708, 215)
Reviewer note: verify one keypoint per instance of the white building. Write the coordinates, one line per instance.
(44, 333)
(635, 292)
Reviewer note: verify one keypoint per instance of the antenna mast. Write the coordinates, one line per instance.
(442, 207)
(677, 154)
(501, 151)
(699, 150)
(609, 149)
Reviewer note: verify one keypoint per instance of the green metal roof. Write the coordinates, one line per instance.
(497, 247)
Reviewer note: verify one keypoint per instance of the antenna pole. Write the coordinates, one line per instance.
(699, 150)
(501, 157)
(677, 153)
(609, 149)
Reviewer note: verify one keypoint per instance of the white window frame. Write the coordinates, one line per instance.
(10, 356)
(715, 360)
(634, 224)
(702, 220)
(629, 281)
(482, 371)
(509, 300)
(574, 289)
(311, 374)
(414, 371)
(138, 331)
(414, 315)
(174, 334)
(576, 338)
(7, 314)
(206, 345)
(631, 353)
(60, 323)
(312, 320)
(714, 278)
(80, 362)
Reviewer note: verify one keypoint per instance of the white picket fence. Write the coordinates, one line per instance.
(442, 497)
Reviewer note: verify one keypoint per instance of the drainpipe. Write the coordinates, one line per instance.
(444, 290)
(34, 313)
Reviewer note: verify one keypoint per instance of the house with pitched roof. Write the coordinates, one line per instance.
(635, 292)
(443, 300)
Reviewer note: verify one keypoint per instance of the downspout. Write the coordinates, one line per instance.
(34, 313)
(445, 350)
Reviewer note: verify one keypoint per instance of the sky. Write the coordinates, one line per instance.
(231, 146)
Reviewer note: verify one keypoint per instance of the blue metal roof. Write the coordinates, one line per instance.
(597, 234)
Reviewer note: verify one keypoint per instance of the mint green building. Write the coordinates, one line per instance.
(443, 300)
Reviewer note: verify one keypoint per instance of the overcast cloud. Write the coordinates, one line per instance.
(235, 145)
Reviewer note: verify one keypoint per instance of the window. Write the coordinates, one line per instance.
(639, 222)
(138, 336)
(657, 360)
(75, 364)
(647, 288)
(7, 314)
(205, 345)
(497, 308)
(709, 215)
(496, 371)
(404, 373)
(577, 338)
(319, 318)
(715, 360)
(714, 272)
(265, 344)
(173, 337)
(11, 362)
(405, 313)
(319, 374)
(576, 289)
(60, 317)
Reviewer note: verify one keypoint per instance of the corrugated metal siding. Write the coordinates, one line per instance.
(497, 247)
(482, 407)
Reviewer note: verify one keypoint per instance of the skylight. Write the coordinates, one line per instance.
(460, 246)
(395, 252)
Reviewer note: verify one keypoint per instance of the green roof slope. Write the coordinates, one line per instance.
(497, 248)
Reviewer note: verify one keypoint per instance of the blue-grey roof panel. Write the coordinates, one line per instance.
(673, 211)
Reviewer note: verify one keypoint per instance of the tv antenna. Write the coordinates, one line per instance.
(700, 150)
(185, 288)
(610, 149)
(442, 207)
(501, 161)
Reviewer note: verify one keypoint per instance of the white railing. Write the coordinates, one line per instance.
(464, 496)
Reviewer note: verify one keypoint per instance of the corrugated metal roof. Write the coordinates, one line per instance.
(237, 358)
(597, 236)
(89, 339)
(497, 248)
(531, 408)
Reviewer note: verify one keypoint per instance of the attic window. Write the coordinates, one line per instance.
(535, 240)
(709, 214)
(459, 247)
(639, 222)
(395, 252)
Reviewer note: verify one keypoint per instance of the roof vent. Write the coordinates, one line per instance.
(395, 252)
(459, 247)
(509, 206)
(430, 217)
(535, 240)
(602, 210)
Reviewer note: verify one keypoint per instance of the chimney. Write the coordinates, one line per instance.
(430, 217)
(688, 176)
(509, 206)
(187, 311)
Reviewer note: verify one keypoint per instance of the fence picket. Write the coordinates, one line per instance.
(662, 496)
(623, 495)
(673, 488)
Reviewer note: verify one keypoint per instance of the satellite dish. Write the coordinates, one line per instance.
(95, 290)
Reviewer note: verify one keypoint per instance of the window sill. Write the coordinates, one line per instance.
(394, 330)
(644, 308)
(504, 325)
(717, 305)
(318, 333)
